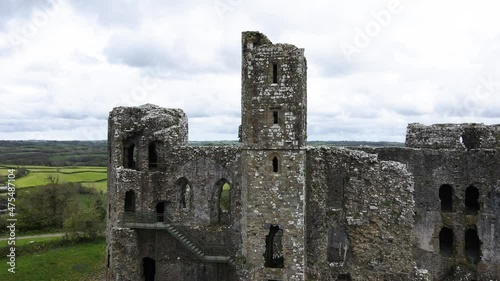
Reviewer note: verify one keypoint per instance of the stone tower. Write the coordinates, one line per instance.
(273, 158)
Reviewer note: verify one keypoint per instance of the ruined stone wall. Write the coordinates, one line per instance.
(459, 169)
(453, 136)
(152, 171)
(132, 129)
(359, 213)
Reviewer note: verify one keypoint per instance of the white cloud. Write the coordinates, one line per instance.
(430, 62)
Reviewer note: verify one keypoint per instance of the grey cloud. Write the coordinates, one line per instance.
(405, 111)
(144, 53)
(10, 9)
(111, 12)
(136, 53)
(333, 65)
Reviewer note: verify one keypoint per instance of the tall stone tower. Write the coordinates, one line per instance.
(273, 158)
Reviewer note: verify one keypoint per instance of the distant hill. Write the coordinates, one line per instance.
(54, 153)
(94, 153)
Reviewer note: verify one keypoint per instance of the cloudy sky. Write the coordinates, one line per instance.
(373, 66)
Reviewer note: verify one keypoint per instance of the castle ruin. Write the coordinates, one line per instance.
(274, 208)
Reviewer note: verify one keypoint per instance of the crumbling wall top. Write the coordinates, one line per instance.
(164, 124)
(453, 136)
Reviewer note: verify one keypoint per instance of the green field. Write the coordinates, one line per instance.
(78, 262)
(41, 175)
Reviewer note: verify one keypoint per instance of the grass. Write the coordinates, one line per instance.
(40, 175)
(76, 262)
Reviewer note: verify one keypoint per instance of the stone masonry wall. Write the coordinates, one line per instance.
(454, 136)
(364, 236)
(460, 169)
(261, 97)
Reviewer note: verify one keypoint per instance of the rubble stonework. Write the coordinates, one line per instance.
(273, 208)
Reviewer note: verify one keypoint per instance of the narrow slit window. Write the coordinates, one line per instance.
(446, 197)
(275, 117)
(130, 156)
(130, 201)
(153, 156)
(275, 73)
(275, 164)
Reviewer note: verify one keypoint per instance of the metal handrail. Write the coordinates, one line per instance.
(185, 233)
(136, 218)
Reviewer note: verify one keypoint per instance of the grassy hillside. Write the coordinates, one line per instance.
(77, 262)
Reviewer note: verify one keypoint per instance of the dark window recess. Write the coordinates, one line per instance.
(275, 73)
(471, 138)
(446, 196)
(152, 156)
(275, 164)
(274, 248)
(130, 201)
(275, 117)
(446, 242)
(344, 277)
(471, 199)
(109, 256)
(160, 212)
(130, 156)
(472, 246)
(149, 269)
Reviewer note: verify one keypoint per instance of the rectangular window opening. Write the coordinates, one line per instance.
(275, 117)
(275, 73)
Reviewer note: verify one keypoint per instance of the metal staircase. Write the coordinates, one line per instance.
(146, 220)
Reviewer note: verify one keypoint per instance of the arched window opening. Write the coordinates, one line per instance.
(160, 212)
(225, 199)
(185, 193)
(220, 204)
(471, 199)
(446, 196)
(274, 248)
(446, 242)
(129, 156)
(275, 164)
(472, 246)
(130, 201)
(149, 269)
(152, 156)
